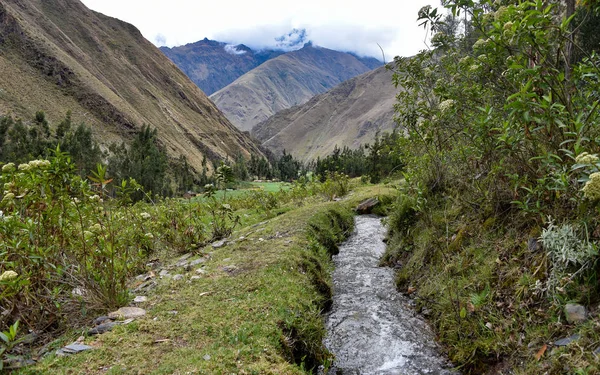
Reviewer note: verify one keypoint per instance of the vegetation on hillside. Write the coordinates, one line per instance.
(496, 228)
(69, 244)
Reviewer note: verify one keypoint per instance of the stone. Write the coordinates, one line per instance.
(145, 286)
(219, 244)
(140, 299)
(102, 328)
(195, 278)
(533, 245)
(101, 319)
(575, 313)
(178, 277)
(184, 257)
(200, 271)
(163, 273)
(127, 313)
(366, 207)
(206, 357)
(566, 341)
(197, 262)
(144, 277)
(76, 348)
(229, 269)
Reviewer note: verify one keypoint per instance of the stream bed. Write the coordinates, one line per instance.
(372, 330)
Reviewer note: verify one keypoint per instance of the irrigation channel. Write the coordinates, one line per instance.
(372, 330)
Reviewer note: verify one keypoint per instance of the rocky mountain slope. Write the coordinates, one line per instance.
(59, 55)
(213, 65)
(348, 115)
(288, 80)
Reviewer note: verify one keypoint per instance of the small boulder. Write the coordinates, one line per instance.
(366, 207)
(102, 328)
(127, 313)
(219, 244)
(101, 319)
(575, 313)
(566, 341)
(197, 262)
(178, 277)
(140, 299)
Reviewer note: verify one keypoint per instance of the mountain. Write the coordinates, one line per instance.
(348, 115)
(285, 81)
(58, 55)
(213, 65)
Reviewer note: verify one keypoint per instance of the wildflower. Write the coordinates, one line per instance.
(446, 105)
(508, 25)
(88, 235)
(474, 67)
(8, 197)
(591, 190)
(480, 43)
(96, 227)
(8, 186)
(95, 198)
(145, 215)
(149, 235)
(500, 13)
(8, 275)
(585, 158)
(10, 167)
(24, 167)
(465, 60)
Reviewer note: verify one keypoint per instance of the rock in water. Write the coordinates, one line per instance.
(367, 206)
(575, 313)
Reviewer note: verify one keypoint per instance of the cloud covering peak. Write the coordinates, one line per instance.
(345, 25)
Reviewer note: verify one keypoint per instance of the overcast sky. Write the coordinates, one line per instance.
(347, 25)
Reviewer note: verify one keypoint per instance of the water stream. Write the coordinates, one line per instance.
(372, 329)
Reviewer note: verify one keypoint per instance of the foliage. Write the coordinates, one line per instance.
(501, 122)
(503, 132)
(384, 159)
(571, 256)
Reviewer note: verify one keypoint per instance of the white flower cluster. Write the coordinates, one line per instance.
(446, 105)
(591, 190)
(145, 215)
(10, 167)
(8, 275)
(585, 158)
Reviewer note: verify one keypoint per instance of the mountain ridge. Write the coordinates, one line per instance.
(67, 57)
(350, 114)
(285, 81)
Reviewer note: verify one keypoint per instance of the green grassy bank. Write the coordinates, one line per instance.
(256, 308)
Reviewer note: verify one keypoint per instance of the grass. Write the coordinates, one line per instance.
(255, 310)
(482, 288)
(268, 187)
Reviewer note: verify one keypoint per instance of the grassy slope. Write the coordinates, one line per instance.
(285, 81)
(481, 286)
(348, 115)
(256, 319)
(59, 56)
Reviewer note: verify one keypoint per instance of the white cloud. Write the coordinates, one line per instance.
(343, 25)
(231, 49)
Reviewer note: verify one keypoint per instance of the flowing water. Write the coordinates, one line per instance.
(372, 329)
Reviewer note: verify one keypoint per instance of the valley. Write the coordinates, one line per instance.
(194, 208)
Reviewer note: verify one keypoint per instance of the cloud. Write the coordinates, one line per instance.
(160, 40)
(232, 49)
(293, 40)
(350, 25)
